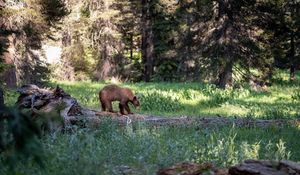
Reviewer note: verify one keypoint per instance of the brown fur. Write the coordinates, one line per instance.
(112, 93)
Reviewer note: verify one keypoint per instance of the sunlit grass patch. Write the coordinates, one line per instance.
(10, 97)
(281, 100)
(227, 110)
(197, 99)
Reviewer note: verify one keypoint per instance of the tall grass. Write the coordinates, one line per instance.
(144, 149)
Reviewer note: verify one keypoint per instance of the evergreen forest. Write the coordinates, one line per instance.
(220, 78)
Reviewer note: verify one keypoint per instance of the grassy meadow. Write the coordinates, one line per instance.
(281, 100)
(141, 149)
(194, 99)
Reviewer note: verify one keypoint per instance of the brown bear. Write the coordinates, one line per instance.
(111, 93)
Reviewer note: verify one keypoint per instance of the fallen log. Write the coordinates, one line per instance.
(265, 167)
(248, 167)
(56, 102)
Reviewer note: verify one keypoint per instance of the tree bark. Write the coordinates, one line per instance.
(183, 66)
(131, 46)
(8, 57)
(292, 57)
(1, 98)
(226, 40)
(253, 167)
(66, 38)
(248, 167)
(147, 40)
(225, 77)
(292, 72)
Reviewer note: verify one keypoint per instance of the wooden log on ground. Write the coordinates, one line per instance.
(265, 167)
(58, 102)
(248, 167)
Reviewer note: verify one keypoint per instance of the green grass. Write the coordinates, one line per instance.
(145, 149)
(196, 99)
(282, 100)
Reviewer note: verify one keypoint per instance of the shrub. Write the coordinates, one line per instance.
(296, 96)
(163, 101)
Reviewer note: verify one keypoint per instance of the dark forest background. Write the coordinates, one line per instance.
(224, 42)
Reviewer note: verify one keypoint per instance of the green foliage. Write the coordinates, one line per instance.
(296, 96)
(219, 145)
(78, 63)
(166, 71)
(27, 24)
(10, 97)
(145, 149)
(199, 99)
(278, 113)
(85, 11)
(250, 151)
(187, 45)
(18, 139)
(53, 10)
(284, 30)
(281, 152)
(163, 101)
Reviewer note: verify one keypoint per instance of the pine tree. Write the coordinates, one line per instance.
(23, 27)
(230, 37)
(283, 26)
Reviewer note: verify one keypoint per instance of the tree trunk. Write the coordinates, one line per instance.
(8, 57)
(292, 57)
(131, 46)
(66, 38)
(147, 41)
(188, 48)
(106, 67)
(1, 98)
(225, 77)
(188, 40)
(292, 73)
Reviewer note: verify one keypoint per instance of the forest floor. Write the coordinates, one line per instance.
(245, 124)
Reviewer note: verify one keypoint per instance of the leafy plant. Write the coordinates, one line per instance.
(277, 151)
(160, 101)
(296, 96)
(18, 139)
